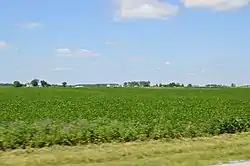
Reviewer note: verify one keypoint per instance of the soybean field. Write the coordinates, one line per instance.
(40, 117)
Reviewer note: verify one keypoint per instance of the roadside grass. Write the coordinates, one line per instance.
(182, 152)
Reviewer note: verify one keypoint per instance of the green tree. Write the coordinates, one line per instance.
(64, 84)
(172, 84)
(44, 83)
(148, 83)
(34, 82)
(17, 84)
(125, 84)
(233, 85)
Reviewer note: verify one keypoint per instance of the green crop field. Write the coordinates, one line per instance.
(39, 117)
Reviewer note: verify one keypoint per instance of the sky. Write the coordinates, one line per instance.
(113, 41)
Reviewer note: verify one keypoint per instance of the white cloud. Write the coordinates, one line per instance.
(167, 63)
(217, 5)
(87, 53)
(66, 52)
(3, 45)
(145, 9)
(30, 25)
(60, 69)
(63, 52)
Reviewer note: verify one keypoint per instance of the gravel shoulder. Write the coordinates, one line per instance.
(235, 163)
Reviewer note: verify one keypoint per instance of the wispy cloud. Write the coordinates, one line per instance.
(30, 25)
(66, 52)
(3, 45)
(158, 69)
(167, 63)
(58, 69)
(144, 9)
(217, 5)
(63, 52)
(87, 53)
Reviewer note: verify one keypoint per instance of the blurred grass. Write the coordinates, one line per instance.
(181, 152)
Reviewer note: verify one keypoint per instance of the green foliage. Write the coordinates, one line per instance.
(64, 84)
(61, 116)
(172, 85)
(34, 82)
(137, 84)
(229, 125)
(17, 84)
(44, 83)
(233, 85)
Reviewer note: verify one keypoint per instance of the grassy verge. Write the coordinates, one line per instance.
(185, 152)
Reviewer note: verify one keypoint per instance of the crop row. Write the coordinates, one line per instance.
(46, 117)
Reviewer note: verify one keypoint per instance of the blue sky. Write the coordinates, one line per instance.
(103, 41)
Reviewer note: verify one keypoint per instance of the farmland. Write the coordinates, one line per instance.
(39, 117)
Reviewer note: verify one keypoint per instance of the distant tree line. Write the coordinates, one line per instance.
(35, 83)
(172, 84)
(215, 86)
(98, 85)
(43, 83)
(137, 84)
(6, 84)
